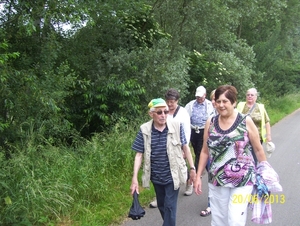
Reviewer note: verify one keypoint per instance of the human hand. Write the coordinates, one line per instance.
(192, 176)
(198, 186)
(134, 186)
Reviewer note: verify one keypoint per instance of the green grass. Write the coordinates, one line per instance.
(87, 185)
(280, 107)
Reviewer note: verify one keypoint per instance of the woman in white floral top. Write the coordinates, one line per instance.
(228, 140)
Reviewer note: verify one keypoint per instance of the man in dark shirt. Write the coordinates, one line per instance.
(160, 143)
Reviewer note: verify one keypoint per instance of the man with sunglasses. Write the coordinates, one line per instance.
(179, 113)
(160, 143)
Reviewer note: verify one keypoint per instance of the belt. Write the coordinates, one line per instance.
(197, 128)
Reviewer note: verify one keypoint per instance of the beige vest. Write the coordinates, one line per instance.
(177, 163)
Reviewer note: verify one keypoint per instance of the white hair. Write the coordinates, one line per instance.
(253, 90)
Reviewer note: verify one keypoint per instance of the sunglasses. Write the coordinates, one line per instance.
(160, 112)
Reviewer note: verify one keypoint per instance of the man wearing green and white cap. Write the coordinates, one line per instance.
(159, 143)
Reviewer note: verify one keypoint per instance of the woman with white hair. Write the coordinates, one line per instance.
(258, 114)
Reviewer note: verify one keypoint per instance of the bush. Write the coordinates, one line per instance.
(89, 185)
(33, 187)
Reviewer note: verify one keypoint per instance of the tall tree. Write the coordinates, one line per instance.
(209, 28)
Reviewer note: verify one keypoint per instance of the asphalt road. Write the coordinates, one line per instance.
(286, 162)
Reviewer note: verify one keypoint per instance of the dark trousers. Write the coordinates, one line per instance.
(167, 198)
(197, 143)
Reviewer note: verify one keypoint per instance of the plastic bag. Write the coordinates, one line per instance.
(136, 210)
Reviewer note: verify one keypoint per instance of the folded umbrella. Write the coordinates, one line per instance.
(136, 210)
(262, 189)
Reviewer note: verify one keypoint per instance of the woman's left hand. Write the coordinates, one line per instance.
(198, 186)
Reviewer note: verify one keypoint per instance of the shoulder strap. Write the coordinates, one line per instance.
(252, 108)
(176, 111)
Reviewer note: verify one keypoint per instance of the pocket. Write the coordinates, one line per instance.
(176, 147)
(182, 173)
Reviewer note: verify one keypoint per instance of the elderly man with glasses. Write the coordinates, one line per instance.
(160, 143)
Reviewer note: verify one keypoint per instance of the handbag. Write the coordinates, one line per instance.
(136, 210)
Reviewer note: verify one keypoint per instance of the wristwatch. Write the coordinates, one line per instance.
(192, 168)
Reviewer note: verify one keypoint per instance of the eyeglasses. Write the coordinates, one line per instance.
(250, 94)
(160, 112)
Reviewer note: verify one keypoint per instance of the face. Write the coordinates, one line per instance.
(172, 104)
(200, 100)
(159, 116)
(251, 96)
(213, 101)
(224, 106)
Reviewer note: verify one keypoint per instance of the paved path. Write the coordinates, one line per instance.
(286, 162)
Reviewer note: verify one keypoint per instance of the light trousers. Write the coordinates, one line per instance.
(229, 205)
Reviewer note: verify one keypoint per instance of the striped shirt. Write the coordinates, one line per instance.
(160, 167)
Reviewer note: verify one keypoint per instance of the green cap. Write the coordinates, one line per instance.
(158, 102)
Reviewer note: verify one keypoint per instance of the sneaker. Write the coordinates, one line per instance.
(153, 204)
(189, 190)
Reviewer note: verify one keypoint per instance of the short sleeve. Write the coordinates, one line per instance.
(138, 144)
(182, 135)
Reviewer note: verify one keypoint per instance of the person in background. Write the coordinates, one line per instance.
(180, 114)
(213, 101)
(159, 145)
(199, 111)
(258, 114)
(228, 140)
(206, 212)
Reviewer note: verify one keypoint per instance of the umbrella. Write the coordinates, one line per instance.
(136, 210)
(261, 187)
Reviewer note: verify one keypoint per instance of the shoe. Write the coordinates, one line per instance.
(153, 204)
(206, 212)
(189, 190)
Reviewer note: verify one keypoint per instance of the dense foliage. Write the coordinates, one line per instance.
(72, 69)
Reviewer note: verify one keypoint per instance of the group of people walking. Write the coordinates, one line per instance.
(226, 138)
